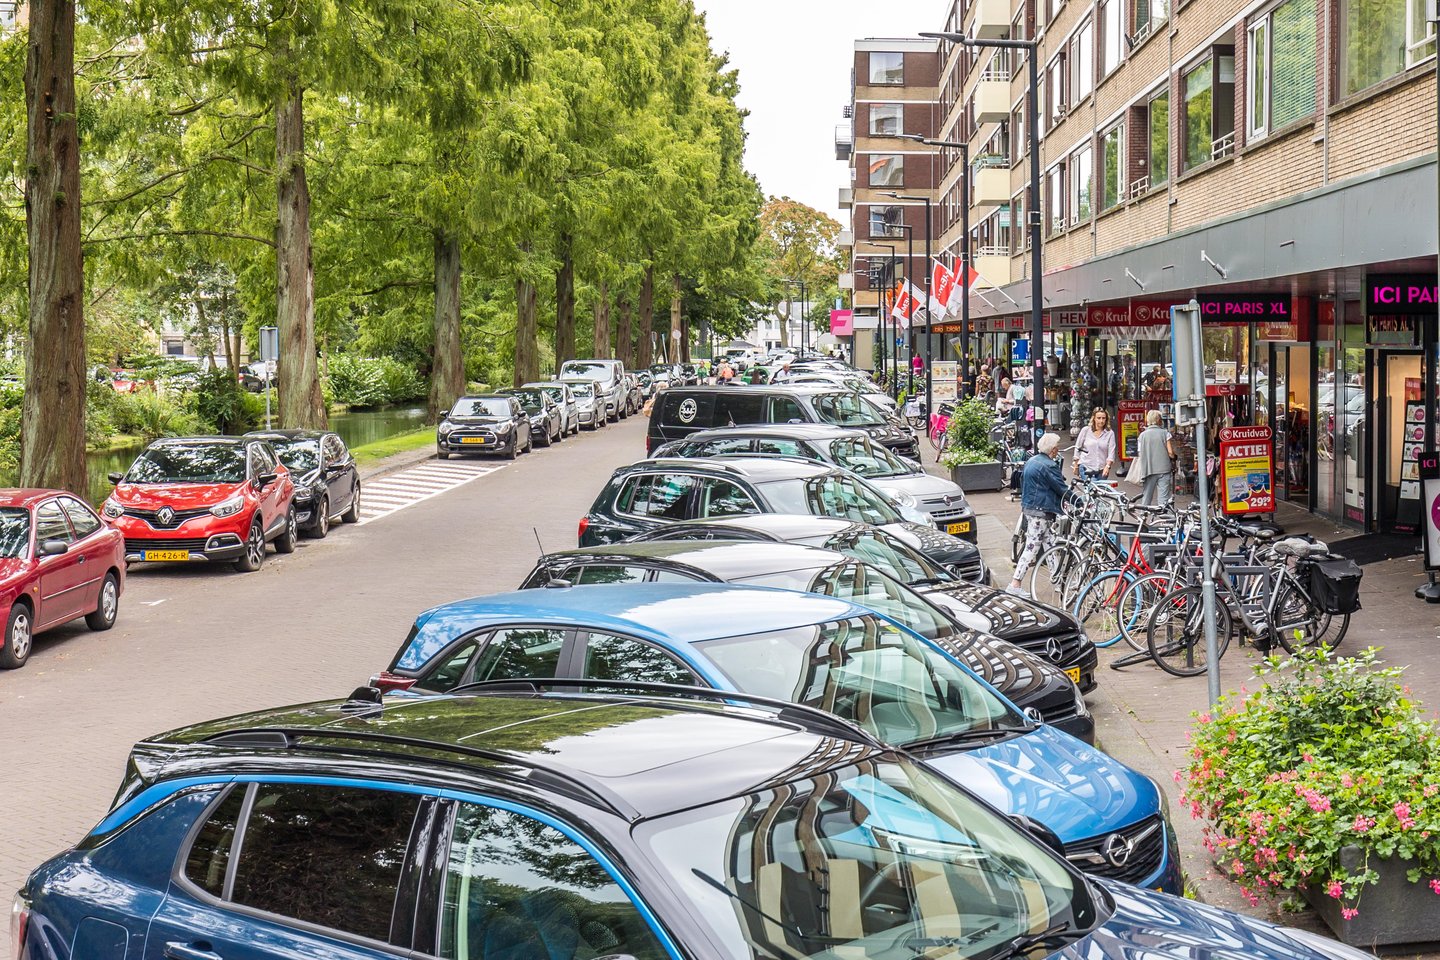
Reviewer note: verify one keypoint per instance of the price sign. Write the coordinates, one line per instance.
(1247, 470)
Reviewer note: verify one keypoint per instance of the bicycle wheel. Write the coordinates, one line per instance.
(1300, 623)
(1175, 636)
(1097, 610)
(1051, 568)
(1136, 601)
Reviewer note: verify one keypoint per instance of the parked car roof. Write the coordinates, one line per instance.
(759, 469)
(725, 559)
(797, 431)
(781, 526)
(287, 434)
(28, 496)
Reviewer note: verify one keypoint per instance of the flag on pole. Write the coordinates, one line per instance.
(942, 285)
(904, 304)
(973, 277)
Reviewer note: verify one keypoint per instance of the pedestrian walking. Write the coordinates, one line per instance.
(1095, 447)
(1155, 456)
(1042, 484)
(917, 366)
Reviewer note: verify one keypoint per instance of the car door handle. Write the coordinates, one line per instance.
(80, 559)
(176, 950)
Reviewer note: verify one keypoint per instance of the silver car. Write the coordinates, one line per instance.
(589, 402)
(609, 375)
(564, 398)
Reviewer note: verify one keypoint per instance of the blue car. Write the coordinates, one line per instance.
(819, 651)
(511, 826)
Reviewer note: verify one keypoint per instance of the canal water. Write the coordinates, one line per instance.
(356, 427)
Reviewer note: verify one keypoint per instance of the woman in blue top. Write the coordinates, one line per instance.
(1042, 485)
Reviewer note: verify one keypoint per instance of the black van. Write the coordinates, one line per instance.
(682, 411)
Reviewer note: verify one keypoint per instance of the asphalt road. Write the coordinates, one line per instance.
(193, 644)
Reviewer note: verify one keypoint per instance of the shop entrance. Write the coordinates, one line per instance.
(1291, 396)
(1398, 404)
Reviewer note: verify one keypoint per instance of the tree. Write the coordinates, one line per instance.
(52, 433)
(797, 242)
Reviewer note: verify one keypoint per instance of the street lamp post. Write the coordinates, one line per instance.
(1032, 122)
(929, 327)
(884, 310)
(801, 285)
(909, 232)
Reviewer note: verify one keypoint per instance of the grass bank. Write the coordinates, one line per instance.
(370, 453)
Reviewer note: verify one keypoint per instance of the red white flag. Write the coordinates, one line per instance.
(973, 277)
(904, 304)
(942, 285)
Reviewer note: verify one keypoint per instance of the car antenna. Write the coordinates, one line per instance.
(550, 579)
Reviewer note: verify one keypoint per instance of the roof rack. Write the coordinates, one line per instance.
(552, 775)
(802, 715)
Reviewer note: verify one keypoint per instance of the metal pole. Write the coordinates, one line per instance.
(1037, 296)
(267, 395)
(929, 322)
(910, 320)
(1202, 489)
(965, 278)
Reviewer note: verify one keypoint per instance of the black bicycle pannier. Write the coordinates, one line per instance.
(1335, 584)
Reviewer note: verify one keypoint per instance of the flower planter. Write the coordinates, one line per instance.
(978, 476)
(1392, 911)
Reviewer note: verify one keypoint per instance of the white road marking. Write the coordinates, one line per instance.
(382, 497)
(154, 603)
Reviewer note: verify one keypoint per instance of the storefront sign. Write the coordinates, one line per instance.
(943, 374)
(1247, 469)
(842, 323)
(1219, 308)
(1392, 330)
(1114, 315)
(1132, 421)
(1411, 294)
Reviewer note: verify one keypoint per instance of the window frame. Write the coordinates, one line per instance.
(487, 633)
(54, 503)
(85, 511)
(893, 161)
(1163, 92)
(1081, 80)
(898, 117)
(649, 477)
(1122, 187)
(870, 63)
(1082, 196)
(582, 639)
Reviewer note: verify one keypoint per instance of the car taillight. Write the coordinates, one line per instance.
(19, 921)
(584, 525)
(387, 682)
(649, 444)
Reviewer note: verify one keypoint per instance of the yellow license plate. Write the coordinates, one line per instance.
(167, 554)
(472, 439)
(1073, 673)
(962, 527)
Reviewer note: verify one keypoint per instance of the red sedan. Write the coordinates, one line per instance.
(57, 562)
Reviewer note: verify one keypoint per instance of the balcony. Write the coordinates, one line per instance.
(845, 238)
(844, 141)
(846, 281)
(847, 197)
(992, 188)
(991, 20)
(993, 265)
(992, 100)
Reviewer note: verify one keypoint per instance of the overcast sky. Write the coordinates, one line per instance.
(794, 58)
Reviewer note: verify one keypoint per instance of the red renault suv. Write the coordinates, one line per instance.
(212, 499)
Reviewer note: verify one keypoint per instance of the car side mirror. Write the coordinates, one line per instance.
(1040, 832)
(53, 548)
(265, 479)
(115, 476)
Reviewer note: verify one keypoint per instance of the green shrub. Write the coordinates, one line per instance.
(373, 381)
(967, 438)
(218, 401)
(148, 415)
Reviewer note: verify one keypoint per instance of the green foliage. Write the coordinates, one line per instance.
(1328, 753)
(218, 400)
(372, 381)
(967, 437)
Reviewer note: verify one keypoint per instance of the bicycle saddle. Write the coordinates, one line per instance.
(1144, 508)
(1297, 547)
(1257, 531)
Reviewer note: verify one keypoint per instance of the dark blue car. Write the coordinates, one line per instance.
(573, 827)
(821, 651)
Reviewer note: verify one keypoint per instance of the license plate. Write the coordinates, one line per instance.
(962, 527)
(1073, 673)
(167, 554)
(472, 439)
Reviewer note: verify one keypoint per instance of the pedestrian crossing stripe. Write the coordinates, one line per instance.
(396, 491)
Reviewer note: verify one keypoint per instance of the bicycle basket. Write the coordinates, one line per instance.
(1335, 584)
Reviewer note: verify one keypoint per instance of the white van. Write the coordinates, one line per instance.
(610, 374)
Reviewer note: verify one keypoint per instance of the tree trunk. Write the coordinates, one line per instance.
(527, 359)
(298, 370)
(677, 325)
(784, 321)
(624, 336)
(206, 335)
(602, 322)
(565, 305)
(232, 350)
(447, 360)
(647, 318)
(52, 431)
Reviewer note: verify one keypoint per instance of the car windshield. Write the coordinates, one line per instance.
(556, 394)
(14, 532)
(873, 861)
(582, 389)
(660, 368)
(846, 410)
(831, 495)
(299, 456)
(868, 671)
(588, 368)
(481, 407)
(201, 463)
(894, 558)
(531, 400)
(869, 459)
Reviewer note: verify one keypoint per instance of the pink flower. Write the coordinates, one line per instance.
(1348, 913)
(1307, 758)
(1178, 777)
(1362, 824)
(1435, 887)
(1205, 718)
(1237, 868)
(1345, 781)
(1402, 813)
(1335, 890)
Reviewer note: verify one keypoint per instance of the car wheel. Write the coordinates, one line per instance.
(544, 437)
(103, 617)
(514, 449)
(442, 454)
(560, 435)
(18, 638)
(254, 555)
(285, 543)
(352, 512)
(321, 526)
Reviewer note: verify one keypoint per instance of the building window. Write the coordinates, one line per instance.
(1158, 118)
(1082, 61)
(1055, 197)
(1082, 174)
(883, 221)
(887, 69)
(887, 170)
(1020, 234)
(1056, 99)
(887, 119)
(1149, 14)
(1018, 143)
(1281, 63)
(1199, 114)
(1111, 34)
(1380, 38)
(1112, 166)
(8, 13)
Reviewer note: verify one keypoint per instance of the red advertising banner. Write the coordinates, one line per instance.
(1132, 421)
(1247, 470)
(842, 323)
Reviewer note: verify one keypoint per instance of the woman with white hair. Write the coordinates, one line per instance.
(1042, 485)
(1155, 449)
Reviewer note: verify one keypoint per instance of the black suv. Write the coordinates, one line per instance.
(491, 423)
(653, 493)
(681, 411)
(327, 482)
(1041, 629)
(1023, 678)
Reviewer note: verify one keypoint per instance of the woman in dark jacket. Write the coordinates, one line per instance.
(1042, 485)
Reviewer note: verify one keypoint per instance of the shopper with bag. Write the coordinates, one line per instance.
(1095, 448)
(1042, 485)
(1154, 461)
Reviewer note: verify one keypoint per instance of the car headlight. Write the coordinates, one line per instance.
(112, 509)
(1164, 797)
(904, 499)
(228, 508)
(302, 495)
(1082, 709)
(445, 427)
(1322, 945)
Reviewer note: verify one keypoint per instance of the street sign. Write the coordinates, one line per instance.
(1184, 345)
(269, 344)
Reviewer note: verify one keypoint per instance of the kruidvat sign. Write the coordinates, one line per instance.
(1243, 307)
(1401, 294)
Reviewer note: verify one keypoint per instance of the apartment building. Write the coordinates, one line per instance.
(893, 92)
(1274, 159)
